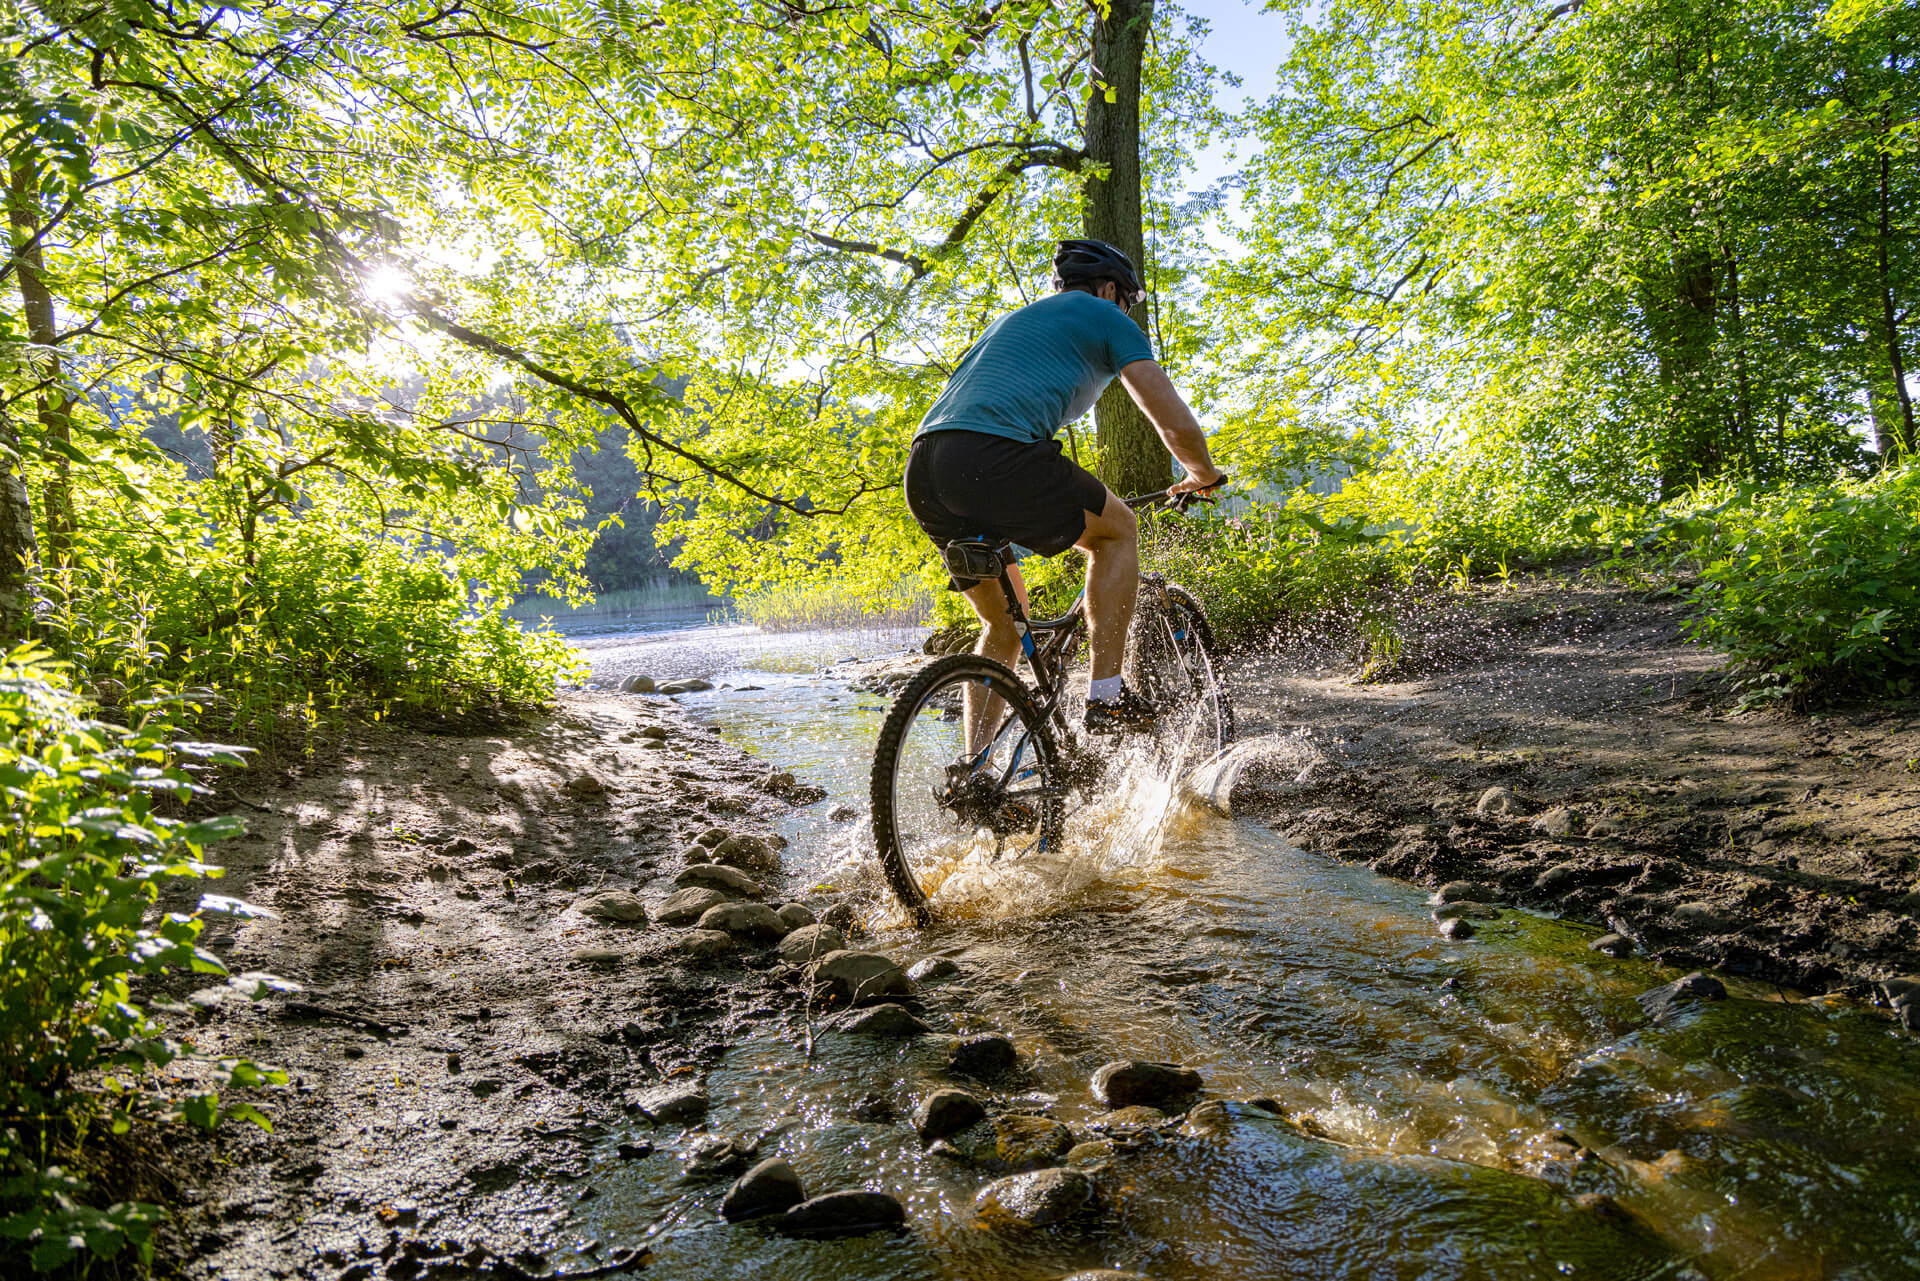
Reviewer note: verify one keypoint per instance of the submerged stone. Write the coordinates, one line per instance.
(984, 1057)
(1041, 1199)
(1662, 1003)
(884, 1020)
(1136, 1081)
(839, 1214)
(772, 1187)
(1612, 945)
(931, 969)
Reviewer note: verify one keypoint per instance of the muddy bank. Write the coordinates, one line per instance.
(490, 1013)
(1563, 747)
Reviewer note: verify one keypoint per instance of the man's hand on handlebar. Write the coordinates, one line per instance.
(1181, 496)
(1193, 484)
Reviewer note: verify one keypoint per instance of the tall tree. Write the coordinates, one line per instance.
(1617, 246)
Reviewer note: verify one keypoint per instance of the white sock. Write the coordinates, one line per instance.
(1104, 690)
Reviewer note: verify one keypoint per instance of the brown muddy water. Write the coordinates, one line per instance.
(1494, 1107)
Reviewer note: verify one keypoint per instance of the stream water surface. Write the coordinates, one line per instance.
(1497, 1107)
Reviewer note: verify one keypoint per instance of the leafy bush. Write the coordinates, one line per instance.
(297, 625)
(87, 849)
(1810, 589)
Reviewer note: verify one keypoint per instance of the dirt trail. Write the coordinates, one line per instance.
(1782, 847)
(437, 885)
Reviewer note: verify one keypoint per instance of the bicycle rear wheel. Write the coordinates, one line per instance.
(965, 768)
(1175, 663)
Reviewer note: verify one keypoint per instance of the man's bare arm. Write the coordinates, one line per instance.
(1154, 392)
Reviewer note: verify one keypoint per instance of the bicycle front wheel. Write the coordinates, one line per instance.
(1176, 665)
(965, 769)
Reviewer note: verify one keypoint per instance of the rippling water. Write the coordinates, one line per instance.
(1447, 1109)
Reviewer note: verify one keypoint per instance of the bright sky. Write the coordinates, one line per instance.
(1249, 43)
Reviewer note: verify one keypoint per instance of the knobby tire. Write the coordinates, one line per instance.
(901, 717)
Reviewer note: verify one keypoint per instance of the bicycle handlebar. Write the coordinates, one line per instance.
(1178, 502)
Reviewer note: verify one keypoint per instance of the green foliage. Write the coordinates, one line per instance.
(88, 848)
(291, 623)
(1810, 589)
(1618, 247)
(826, 606)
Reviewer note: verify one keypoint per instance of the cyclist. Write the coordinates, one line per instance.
(985, 463)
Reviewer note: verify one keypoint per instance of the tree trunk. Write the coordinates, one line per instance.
(1743, 381)
(1132, 459)
(1681, 314)
(54, 409)
(1902, 418)
(19, 553)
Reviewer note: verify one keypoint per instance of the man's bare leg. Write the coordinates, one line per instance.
(1112, 545)
(999, 642)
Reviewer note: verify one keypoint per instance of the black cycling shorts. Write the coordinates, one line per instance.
(968, 484)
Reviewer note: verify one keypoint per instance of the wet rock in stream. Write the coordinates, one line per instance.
(932, 969)
(849, 978)
(853, 1212)
(717, 1155)
(1041, 1199)
(1130, 1082)
(1615, 945)
(684, 907)
(749, 854)
(1662, 1003)
(946, 1112)
(882, 1020)
(771, 1187)
(1466, 910)
(704, 945)
(670, 1104)
(983, 1057)
(718, 876)
(746, 920)
(1136, 1116)
(1903, 998)
(810, 943)
(796, 915)
(1014, 1142)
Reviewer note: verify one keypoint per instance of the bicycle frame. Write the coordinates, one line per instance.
(1046, 657)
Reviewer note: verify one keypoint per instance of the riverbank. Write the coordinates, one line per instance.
(522, 1048)
(1562, 746)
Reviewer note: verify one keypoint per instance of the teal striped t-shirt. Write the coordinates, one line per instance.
(1038, 369)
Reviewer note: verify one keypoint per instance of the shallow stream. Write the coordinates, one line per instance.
(1447, 1109)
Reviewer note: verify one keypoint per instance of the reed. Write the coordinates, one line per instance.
(817, 607)
(633, 602)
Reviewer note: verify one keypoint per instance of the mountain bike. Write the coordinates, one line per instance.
(971, 759)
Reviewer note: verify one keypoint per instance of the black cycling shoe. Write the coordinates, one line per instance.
(1127, 714)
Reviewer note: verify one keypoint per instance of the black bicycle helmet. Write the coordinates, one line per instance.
(1083, 262)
